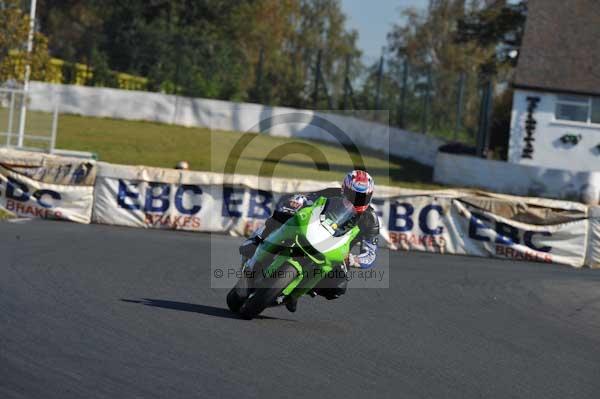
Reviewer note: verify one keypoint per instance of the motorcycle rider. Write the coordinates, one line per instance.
(357, 188)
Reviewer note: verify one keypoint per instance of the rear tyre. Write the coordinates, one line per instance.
(270, 288)
(234, 302)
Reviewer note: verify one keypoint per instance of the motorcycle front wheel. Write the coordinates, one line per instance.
(234, 302)
(270, 289)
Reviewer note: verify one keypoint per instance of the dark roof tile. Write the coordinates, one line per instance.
(561, 46)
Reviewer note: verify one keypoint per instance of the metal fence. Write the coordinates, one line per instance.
(455, 106)
(20, 128)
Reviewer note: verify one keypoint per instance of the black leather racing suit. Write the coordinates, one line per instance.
(368, 223)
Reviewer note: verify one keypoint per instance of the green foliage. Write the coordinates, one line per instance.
(501, 25)
(14, 30)
(102, 75)
(425, 44)
(206, 48)
(453, 38)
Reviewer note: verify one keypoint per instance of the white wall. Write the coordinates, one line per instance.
(548, 149)
(224, 115)
(510, 178)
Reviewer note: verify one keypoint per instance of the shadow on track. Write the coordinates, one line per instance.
(194, 308)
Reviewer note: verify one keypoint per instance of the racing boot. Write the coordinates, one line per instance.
(291, 304)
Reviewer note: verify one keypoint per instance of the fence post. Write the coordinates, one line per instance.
(379, 78)
(54, 127)
(11, 112)
(178, 46)
(326, 90)
(346, 83)
(426, 102)
(459, 104)
(317, 76)
(485, 115)
(259, 73)
(351, 93)
(30, 38)
(401, 111)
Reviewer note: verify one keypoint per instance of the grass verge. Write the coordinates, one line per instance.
(161, 145)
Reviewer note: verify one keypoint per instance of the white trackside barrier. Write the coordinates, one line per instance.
(517, 179)
(434, 221)
(445, 221)
(45, 186)
(226, 115)
(183, 200)
(593, 241)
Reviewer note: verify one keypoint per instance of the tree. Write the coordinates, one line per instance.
(258, 50)
(322, 27)
(427, 40)
(281, 40)
(500, 25)
(73, 27)
(14, 30)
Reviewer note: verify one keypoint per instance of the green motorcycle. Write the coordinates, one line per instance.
(295, 257)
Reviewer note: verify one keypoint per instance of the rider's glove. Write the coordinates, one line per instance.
(353, 261)
(294, 203)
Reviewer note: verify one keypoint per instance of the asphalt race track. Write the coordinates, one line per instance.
(105, 312)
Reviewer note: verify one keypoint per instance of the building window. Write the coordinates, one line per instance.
(595, 118)
(577, 109)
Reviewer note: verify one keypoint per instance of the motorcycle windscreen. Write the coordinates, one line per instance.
(338, 216)
(326, 230)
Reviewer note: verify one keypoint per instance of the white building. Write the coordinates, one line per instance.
(556, 105)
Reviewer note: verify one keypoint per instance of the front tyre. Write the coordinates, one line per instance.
(270, 289)
(234, 302)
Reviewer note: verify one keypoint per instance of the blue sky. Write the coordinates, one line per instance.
(373, 19)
